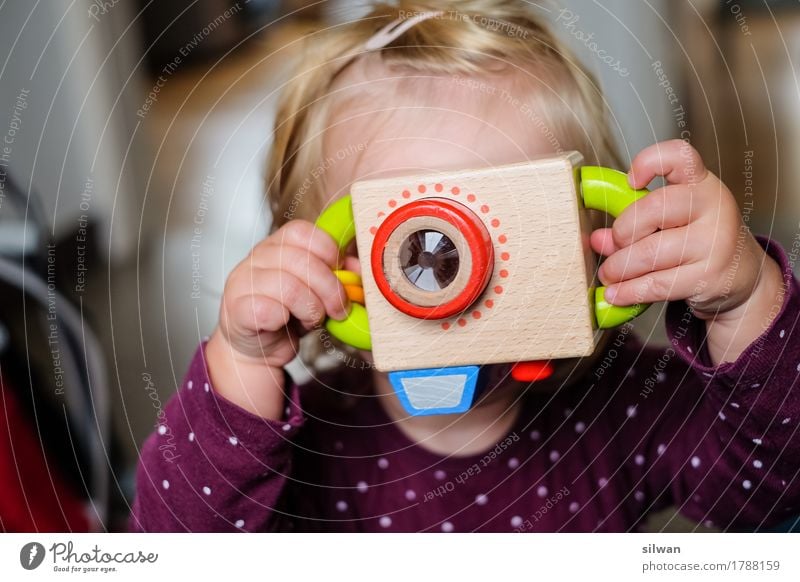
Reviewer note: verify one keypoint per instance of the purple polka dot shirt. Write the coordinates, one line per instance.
(643, 430)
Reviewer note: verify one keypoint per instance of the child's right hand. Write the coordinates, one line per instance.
(282, 290)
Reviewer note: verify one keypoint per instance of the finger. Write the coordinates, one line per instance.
(250, 314)
(675, 159)
(667, 285)
(304, 235)
(311, 269)
(602, 242)
(668, 207)
(659, 251)
(353, 264)
(289, 291)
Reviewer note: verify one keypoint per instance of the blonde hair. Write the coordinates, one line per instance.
(470, 37)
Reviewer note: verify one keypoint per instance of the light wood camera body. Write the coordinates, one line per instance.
(537, 303)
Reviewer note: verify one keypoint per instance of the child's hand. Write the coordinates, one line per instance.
(283, 289)
(687, 241)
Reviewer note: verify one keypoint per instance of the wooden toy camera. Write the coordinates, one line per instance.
(473, 267)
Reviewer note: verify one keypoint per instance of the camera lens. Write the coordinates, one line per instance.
(429, 260)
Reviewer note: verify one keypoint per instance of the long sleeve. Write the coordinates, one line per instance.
(212, 466)
(726, 447)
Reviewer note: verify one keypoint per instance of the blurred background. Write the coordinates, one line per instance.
(134, 135)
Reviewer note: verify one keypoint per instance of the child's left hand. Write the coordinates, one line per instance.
(687, 241)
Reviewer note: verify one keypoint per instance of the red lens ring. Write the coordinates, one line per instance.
(478, 241)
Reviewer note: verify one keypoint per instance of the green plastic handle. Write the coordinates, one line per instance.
(337, 221)
(608, 190)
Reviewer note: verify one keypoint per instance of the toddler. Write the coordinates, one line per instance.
(708, 425)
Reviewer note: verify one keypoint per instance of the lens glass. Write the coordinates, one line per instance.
(429, 260)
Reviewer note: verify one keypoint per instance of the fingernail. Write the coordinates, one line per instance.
(610, 293)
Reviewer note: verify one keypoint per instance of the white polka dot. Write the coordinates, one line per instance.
(574, 506)
(190, 384)
(695, 462)
(338, 445)
(287, 411)
(207, 490)
(567, 412)
(786, 420)
(516, 521)
(411, 495)
(689, 349)
(735, 404)
(239, 523)
(383, 463)
(205, 386)
(757, 441)
(481, 499)
(286, 427)
(639, 496)
(385, 521)
(708, 375)
(757, 464)
(696, 498)
(513, 463)
(580, 427)
(440, 475)
(639, 460)
(602, 482)
(162, 429)
(661, 448)
(708, 523)
(782, 333)
(631, 411)
(191, 437)
(341, 505)
(233, 440)
(447, 527)
(747, 484)
(756, 385)
(165, 484)
(541, 491)
(535, 435)
(660, 377)
(362, 486)
(722, 416)
(798, 367)
(554, 456)
(783, 483)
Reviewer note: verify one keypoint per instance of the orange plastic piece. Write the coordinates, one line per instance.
(355, 293)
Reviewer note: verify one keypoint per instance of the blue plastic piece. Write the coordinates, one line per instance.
(436, 390)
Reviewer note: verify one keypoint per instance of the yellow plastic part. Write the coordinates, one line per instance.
(348, 277)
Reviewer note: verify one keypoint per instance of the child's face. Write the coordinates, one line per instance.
(383, 124)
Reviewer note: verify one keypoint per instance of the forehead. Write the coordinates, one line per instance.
(384, 123)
